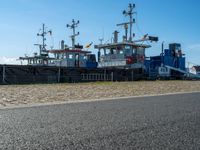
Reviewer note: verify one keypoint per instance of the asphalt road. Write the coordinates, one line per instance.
(161, 122)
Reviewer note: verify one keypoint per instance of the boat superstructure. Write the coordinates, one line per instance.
(43, 58)
(128, 53)
(74, 56)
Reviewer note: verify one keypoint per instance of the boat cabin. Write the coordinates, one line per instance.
(74, 58)
(122, 55)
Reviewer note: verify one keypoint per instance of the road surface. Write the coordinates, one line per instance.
(160, 122)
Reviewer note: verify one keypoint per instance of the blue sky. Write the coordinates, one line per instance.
(170, 20)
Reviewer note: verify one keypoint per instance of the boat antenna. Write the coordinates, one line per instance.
(101, 39)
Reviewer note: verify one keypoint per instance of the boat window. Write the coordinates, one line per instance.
(127, 47)
(121, 52)
(114, 51)
(134, 51)
(70, 56)
(84, 57)
(57, 56)
(62, 56)
(77, 56)
(91, 57)
(128, 52)
(140, 51)
(107, 51)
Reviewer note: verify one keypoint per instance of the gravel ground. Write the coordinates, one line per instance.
(15, 95)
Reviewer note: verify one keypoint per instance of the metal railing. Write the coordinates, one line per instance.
(97, 77)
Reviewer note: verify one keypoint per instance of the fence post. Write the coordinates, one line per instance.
(59, 75)
(132, 75)
(112, 74)
(104, 74)
(4, 74)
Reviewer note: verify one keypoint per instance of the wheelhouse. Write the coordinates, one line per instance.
(124, 55)
(74, 58)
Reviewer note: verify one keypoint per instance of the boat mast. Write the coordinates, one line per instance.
(73, 26)
(130, 13)
(42, 46)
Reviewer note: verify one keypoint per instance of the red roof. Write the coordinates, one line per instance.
(68, 51)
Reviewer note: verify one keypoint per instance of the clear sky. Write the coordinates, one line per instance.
(170, 20)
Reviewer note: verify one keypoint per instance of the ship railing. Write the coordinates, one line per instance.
(113, 63)
(97, 77)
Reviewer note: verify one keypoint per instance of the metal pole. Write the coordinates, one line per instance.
(112, 74)
(162, 54)
(59, 75)
(126, 32)
(104, 74)
(188, 69)
(4, 74)
(132, 75)
(73, 36)
(131, 19)
(43, 39)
